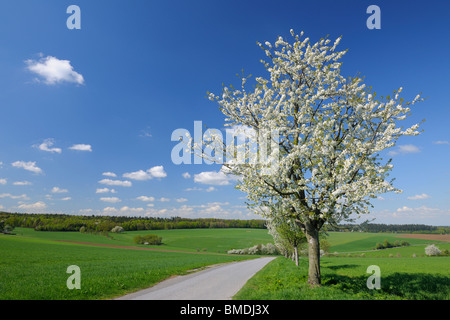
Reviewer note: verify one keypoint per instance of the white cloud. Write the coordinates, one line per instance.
(120, 183)
(155, 172)
(131, 210)
(441, 142)
(164, 199)
(109, 210)
(9, 195)
(54, 71)
(422, 214)
(66, 199)
(85, 211)
(29, 166)
(105, 190)
(209, 189)
(213, 178)
(1, 164)
(193, 189)
(123, 210)
(22, 183)
(404, 209)
(59, 190)
(46, 146)
(110, 199)
(181, 200)
(186, 175)
(138, 175)
(33, 206)
(109, 174)
(3, 181)
(145, 198)
(405, 149)
(420, 197)
(212, 210)
(145, 133)
(81, 147)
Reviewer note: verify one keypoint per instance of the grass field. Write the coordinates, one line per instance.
(33, 265)
(202, 240)
(35, 268)
(425, 278)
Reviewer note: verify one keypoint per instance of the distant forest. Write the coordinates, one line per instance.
(403, 228)
(93, 223)
(65, 222)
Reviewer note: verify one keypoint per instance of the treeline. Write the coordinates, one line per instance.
(402, 228)
(65, 222)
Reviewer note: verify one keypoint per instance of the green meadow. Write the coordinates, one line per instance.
(426, 278)
(194, 240)
(33, 265)
(35, 268)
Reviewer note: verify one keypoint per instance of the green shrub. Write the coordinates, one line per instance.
(148, 239)
(387, 244)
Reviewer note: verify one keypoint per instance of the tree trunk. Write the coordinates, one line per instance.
(296, 255)
(312, 235)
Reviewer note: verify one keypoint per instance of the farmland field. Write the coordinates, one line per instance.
(420, 278)
(33, 265)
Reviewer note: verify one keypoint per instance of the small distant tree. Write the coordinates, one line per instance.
(287, 236)
(325, 245)
(149, 239)
(5, 228)
(432, 250)
(117, 229)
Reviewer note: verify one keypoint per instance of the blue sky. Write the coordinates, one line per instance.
(78, 105)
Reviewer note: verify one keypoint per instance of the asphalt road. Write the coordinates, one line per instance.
(216, 283)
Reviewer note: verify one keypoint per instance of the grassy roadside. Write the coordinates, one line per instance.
(426, 278)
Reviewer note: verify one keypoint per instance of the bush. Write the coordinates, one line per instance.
(432, 250)
(386, 244)
(117, 229)
(268, 249)
(148, 239)
(325, 246)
